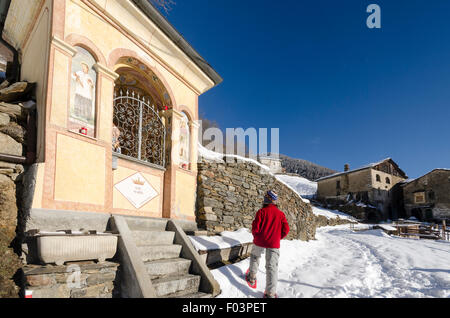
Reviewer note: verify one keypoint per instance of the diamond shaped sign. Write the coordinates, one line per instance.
(136, 190)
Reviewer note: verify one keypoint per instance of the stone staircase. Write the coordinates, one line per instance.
(168, 271)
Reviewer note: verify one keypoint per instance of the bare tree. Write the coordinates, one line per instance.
(165, 5)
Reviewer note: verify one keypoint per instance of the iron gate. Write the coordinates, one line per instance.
(142, 131)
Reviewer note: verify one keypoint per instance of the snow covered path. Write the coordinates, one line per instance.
(342, 263)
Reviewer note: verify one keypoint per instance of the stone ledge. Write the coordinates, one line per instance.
(53, 269)
(96, 280)
(227, 254)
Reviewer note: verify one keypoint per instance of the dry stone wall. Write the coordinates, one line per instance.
(76, 280)
(230, 193)
(12, 143)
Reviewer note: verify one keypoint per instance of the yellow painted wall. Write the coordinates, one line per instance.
(60, 90)
(80, 171)
(105, 112)
(83, 21)
(79, 165)
(186, 187)
(39, 187)
(138, 24)
(153, 207)
(383, 185)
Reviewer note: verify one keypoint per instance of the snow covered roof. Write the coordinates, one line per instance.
(369, 166)
(408, 181)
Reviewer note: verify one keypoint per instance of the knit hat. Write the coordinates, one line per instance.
(270, 197)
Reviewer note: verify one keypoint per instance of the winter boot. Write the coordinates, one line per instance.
(251, 282)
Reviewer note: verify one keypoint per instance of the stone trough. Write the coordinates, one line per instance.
(60, 247)
(223, 255)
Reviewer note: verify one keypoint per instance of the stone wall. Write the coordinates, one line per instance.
(435, 187)
(230, 193)
(75, 280)
(12, 143)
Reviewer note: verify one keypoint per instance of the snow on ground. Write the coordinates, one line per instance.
(224, 240)
(302, 186)
(342, 263)
(331, 214)
(216, 156)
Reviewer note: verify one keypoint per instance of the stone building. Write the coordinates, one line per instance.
(117, 102)
(272, 162)
(370, 185)
(428, 197)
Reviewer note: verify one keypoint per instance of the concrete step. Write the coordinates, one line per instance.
(168, 267)
(146, 224)
(145, 238)
(187, 284)
(155, 252)
(192, 295)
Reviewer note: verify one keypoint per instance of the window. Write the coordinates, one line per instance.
(338, 184)
(431, 195)
(378, 178)
(388, 181)
(138, 131)
(419, 197)
(140, 126)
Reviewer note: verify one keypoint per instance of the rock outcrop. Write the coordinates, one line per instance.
(13, 153)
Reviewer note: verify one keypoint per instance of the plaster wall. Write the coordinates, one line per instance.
(77, 174)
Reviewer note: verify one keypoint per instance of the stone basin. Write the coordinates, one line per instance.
(59, 248)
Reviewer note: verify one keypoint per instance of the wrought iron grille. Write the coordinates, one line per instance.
(142, 132)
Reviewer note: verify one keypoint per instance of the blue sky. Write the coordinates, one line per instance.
(339, 91)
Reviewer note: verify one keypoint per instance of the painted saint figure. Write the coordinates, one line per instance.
(184, 142)
(84, 92)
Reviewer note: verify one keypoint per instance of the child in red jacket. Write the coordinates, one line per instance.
(268, 228)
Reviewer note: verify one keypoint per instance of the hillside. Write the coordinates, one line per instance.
(304, 187)
(304, 168)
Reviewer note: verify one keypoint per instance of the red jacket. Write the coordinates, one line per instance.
(269, 227)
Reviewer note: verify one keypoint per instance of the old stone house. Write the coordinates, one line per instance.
(117, 101)
(369, 185)
(272, 162)
(427, 198)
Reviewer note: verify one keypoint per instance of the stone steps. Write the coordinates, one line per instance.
(168, 272)
(158, 252)
(146, 238)
(193, 295)
(146, 224)
(176, 285)
(167, 267)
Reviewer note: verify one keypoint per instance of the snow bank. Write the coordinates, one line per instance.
(225, 240)
(302, 186)
(331, 214)
(216, 156)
